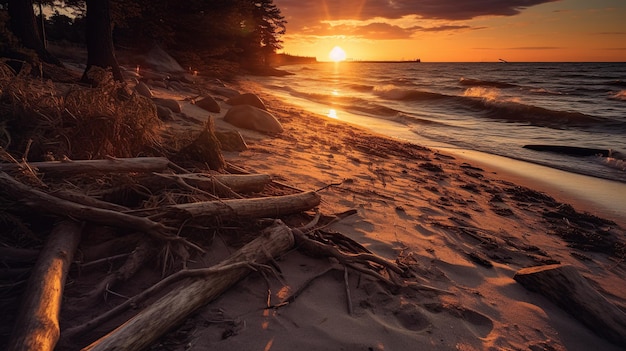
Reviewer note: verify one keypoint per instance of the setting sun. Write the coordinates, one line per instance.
(337, 54)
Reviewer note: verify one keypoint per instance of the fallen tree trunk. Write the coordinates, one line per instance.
(37, 325)
(563, 285)
(137, 164)
(170, 310)
(273, 206)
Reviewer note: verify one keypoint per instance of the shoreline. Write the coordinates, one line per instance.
(595, 195)
(590, 194)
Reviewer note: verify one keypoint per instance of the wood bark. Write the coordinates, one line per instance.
(273, 206)
(563, 285)
(137, 164)
(37, 325)
(170, 310)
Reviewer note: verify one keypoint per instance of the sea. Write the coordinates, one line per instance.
(494, 108)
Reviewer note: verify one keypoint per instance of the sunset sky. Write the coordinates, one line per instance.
(457, 30)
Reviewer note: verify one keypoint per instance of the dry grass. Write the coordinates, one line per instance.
(42, 120)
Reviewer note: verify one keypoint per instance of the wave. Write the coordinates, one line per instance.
(361, 87)
(485, 83)
(392, 92)
(620, 95)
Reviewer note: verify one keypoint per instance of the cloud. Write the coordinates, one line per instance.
(303, 13)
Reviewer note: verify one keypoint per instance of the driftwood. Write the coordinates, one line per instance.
(240, 183)
(37, 325)
(41, 201)
(171, 309)
(273, 206)
(83, 199)
(133, 263)
(563, 285)
(137, 164)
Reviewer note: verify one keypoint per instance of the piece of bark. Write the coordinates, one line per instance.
(137, 164)
(567, 288)
(170, 310)
(272, 206)
(37, 325)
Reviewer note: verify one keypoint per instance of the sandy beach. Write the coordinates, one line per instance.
(463, 231)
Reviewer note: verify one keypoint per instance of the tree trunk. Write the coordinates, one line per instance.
(564, 286)
(272, 206)
(169, 311)
(100, 51)
(138, 164)
(37, 325)
(24, 25)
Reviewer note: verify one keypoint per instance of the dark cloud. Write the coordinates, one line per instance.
(302, 13)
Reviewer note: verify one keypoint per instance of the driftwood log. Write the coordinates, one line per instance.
(37, 325)
(170, 310)
(273, 206)
(563, 285)
(122, 165)
(214, 185)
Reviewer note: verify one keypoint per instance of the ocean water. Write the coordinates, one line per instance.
(495, 108)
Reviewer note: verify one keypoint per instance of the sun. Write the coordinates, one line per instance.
(337, 54)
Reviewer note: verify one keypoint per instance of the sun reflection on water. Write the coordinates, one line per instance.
(332, 113)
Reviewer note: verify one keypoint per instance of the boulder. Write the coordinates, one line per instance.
(224, 91)
(143, 90)
(169, 103)
(208, 103)
(231, 140)
(250, 117)
(161, 61)
(247, 99)
(164, 113)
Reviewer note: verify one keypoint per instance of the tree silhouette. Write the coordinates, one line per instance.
(100, 51)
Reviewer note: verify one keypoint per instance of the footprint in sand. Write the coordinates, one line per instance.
(411, 318)
(479, 324)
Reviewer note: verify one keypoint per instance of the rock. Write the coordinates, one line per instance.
(164, 113)
(567, 288)
(158, 83)
(160, 60)
(208, 103)
(247, 99)
(143, 90)
(231, 140)
(223, 91)
(250, 117)
(169, 103)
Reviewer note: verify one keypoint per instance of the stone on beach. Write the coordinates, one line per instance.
(208, 103)
(231, 140)
(247, 99)
(250, 117)
(143, 90)
(169, 103)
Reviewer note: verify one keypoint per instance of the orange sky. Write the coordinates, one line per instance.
(457, 30)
